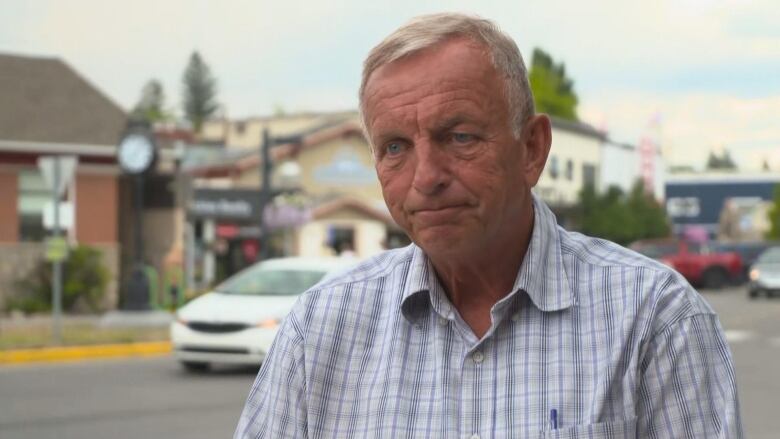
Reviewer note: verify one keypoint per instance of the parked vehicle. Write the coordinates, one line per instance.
(700, 264)
(238, 320)
(748, 251)
(765, 274)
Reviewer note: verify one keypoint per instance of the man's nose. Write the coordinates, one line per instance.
(431, 174)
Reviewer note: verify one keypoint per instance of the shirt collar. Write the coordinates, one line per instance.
(541, 275)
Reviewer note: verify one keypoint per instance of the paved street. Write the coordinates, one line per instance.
(753, 331)
(137, 398)
(153, 398)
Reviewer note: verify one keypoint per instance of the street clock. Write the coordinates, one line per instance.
(136, 153)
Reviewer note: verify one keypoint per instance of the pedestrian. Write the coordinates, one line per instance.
(495, 322)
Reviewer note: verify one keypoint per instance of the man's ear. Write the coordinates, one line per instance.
(537, 136)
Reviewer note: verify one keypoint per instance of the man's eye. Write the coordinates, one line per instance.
(462, 137)
(393, 148)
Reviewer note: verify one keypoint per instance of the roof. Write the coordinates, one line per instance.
(578, 127)
(45, 100)
(251, 159)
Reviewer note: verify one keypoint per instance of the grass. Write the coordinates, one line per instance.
(74, 334)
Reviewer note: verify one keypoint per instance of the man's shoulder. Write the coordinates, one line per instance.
(604, 253)
(371, 269)
(374, 284)
(656, 289)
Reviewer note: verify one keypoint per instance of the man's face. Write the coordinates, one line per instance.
(452, 173)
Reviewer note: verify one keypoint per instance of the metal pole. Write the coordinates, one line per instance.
(266, 167)
(139, 211)
(57, 284)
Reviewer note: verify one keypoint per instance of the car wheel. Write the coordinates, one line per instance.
(195, 366)
(714, 278)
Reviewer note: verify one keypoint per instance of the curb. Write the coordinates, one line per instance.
(77, 353)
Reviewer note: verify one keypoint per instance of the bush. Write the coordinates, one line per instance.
(84, 282)
(622, 218)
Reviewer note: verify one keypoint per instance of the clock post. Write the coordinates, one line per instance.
(137, 153)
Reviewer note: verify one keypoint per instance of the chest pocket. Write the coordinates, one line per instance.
(601, 430)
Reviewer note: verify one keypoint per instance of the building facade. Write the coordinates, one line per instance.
(49, 109)
(728, 206)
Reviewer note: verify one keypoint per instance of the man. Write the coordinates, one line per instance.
(495, 322)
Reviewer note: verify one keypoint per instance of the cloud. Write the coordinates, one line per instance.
(694, 123)
(709, 66)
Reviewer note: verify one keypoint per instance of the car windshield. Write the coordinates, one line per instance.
(271, 282)
(771, 256)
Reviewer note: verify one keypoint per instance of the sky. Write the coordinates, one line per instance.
(708, 71)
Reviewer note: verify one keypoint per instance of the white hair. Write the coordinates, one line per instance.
(428, 30)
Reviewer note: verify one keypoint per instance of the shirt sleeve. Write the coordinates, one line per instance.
(276, 406)
(688, 386)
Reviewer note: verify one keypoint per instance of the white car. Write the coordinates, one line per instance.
(765, 274)
(237, 321)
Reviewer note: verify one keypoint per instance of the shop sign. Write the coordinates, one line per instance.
(235, 204)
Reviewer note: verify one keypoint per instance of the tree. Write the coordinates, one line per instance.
(622, 218)
(553, 90)
(774, 215)
(200, 91)
(722, 161)
(649, 216)
(151, 105)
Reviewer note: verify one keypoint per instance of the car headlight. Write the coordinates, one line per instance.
(269, 323)
(754, 274)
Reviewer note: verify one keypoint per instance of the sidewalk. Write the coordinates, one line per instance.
(84, 337)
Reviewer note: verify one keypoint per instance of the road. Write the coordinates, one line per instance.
(133, 398)
(753, 331)
(152, 398)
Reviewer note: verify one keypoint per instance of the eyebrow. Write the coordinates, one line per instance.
(387, 136)
(453, 121)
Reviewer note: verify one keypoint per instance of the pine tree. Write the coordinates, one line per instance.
(200, 91)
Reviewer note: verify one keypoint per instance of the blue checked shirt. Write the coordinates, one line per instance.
(593, 341)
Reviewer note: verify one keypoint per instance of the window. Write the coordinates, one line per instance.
(588, 175)
(569, 170)
(34, 194)
(554, 171)
(341, 239)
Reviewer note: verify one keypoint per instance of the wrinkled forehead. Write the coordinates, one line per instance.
(458, 66)
(478, 52)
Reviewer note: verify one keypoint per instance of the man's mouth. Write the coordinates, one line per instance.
(438, 213)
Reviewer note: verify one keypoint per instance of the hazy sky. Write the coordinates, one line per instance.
(710, 69)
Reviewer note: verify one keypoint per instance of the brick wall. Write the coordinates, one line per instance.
(9, 217)
(96, 209)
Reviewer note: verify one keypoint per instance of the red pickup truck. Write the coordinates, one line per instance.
(698, 263)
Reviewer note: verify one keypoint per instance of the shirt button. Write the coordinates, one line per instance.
(474, 436)
(515, 316)
(442, 321)
(477, 357)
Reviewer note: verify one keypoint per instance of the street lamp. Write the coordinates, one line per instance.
(267, 192)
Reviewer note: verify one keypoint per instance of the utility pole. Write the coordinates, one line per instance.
(267, 192)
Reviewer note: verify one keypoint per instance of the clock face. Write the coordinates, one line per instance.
(135, 153)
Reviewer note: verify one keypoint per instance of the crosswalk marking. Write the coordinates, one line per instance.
(738, 335)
